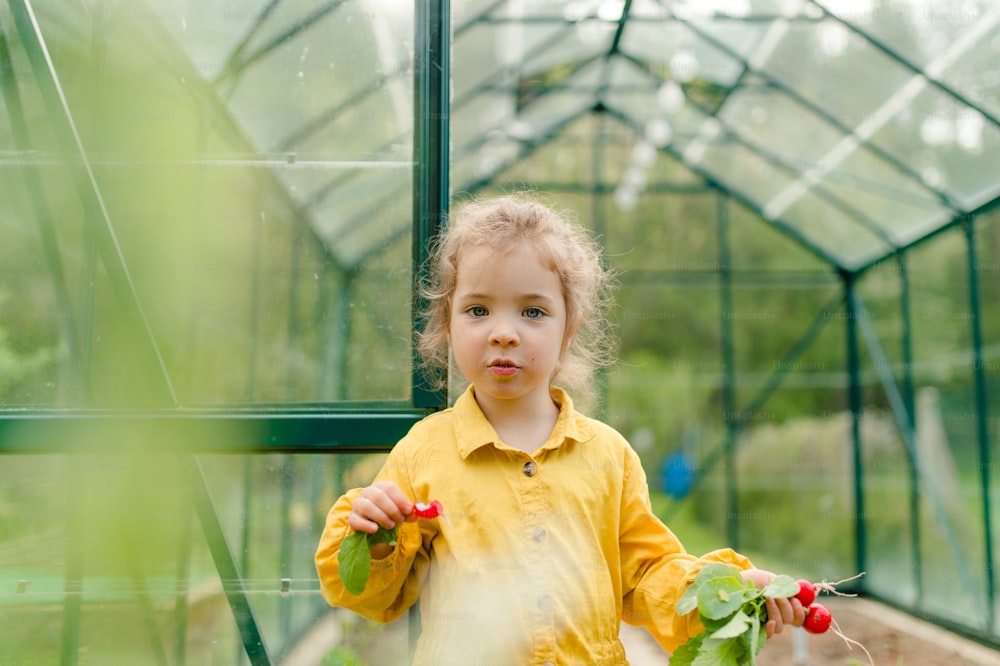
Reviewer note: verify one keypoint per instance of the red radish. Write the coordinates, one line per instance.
(432, 510)
(818, 619)
(807, 592)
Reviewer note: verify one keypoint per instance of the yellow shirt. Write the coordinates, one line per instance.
(542, 555)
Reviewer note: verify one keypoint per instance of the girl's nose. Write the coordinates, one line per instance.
(503, 332)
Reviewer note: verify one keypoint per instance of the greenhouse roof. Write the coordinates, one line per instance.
(854, 126)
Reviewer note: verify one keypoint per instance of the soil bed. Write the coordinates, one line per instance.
(891, 638)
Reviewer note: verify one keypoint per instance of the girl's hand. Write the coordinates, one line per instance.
(779, 611)
(381, 503)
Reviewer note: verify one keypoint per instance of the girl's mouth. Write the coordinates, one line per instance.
(503, 368)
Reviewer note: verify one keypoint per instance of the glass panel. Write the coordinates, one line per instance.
(957, 148)
(547, 114)
(634, 97)
(898, 203)
(217, 218)
(891, 485)
(737, 166)
(920, 33)
(104, 559)
(792, 442)
(478, 163)
(796, 60)
(564, 162)
(776, 125)
(738, 39)
(760, 250)
(659, 240)
(966, 74)
(804, 462)
(476, 118)
(952, 535)
(791, 304)
(663, 393)
(529, 44)
(515, 105)
(688, 56)
(843, 235)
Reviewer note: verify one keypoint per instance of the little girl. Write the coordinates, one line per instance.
(550, 540)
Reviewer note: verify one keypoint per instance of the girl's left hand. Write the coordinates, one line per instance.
(780, 612)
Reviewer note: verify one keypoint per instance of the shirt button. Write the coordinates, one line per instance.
(538, 534)
(544, 602)
(530, 468)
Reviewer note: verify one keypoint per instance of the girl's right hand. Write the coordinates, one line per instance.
(381, 503)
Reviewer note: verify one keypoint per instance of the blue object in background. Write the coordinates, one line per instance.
(678, 474)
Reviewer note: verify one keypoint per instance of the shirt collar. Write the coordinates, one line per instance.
(473, 431)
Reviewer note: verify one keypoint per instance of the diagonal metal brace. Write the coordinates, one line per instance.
(226, 566)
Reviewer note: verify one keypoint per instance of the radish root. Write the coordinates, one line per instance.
(850, 642)
(831, 588)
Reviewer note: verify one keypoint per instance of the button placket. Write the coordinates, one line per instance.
(537, 507)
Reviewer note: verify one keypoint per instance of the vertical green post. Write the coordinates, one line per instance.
(982, 427)
(911, 425)
(855, 406)
(431, 155)
(431, 108)
(728, 362)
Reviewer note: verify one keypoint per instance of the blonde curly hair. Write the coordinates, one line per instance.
(501, 223)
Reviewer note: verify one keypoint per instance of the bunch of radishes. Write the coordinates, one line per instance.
(818, 617)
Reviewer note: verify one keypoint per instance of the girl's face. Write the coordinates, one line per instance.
(508, 325)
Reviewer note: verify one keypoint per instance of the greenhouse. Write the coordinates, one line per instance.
(213, 221)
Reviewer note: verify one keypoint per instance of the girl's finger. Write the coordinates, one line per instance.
(397, 505)
(359, 523)
(769, 629)
(787, 611)
(370, 508)
(774, 615)
(799, 613)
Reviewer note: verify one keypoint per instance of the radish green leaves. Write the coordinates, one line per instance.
(354, 560)
(733, 614)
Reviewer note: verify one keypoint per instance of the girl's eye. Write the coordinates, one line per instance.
(477, 311)
(534, 313)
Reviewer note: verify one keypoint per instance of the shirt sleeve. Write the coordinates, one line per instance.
(394, 581)
(656, 569)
